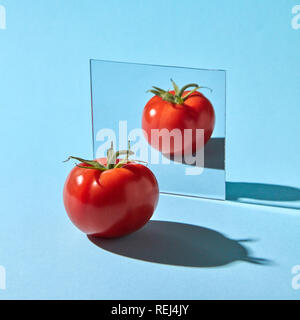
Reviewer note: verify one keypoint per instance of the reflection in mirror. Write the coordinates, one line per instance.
(131, 101)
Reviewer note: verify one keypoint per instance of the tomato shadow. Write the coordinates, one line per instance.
(241, 191)
(214, 155)
(179, 244)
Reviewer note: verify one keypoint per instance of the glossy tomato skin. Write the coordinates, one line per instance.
(111, 203)
(196, 113)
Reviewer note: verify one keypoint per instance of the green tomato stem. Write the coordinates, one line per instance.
(178, 97)
(112, 157)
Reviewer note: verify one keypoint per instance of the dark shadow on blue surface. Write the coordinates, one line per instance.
(179, 244)
(262, 192)
(214, 154)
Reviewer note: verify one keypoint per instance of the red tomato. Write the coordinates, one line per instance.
(171, 110)
(110, 203)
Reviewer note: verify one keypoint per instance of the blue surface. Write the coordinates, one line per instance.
(45, 116)
(47, 258)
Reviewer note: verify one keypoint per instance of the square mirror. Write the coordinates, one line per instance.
(187, 155)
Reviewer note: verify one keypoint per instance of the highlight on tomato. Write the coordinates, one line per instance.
(110, 197)
(178, 111)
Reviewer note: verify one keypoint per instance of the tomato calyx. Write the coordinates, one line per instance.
(180, 95)
(112, 158)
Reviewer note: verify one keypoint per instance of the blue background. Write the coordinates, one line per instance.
(45, 116)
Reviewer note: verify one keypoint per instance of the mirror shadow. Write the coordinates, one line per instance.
(179, 244)
(263, 192)
(214, 155)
